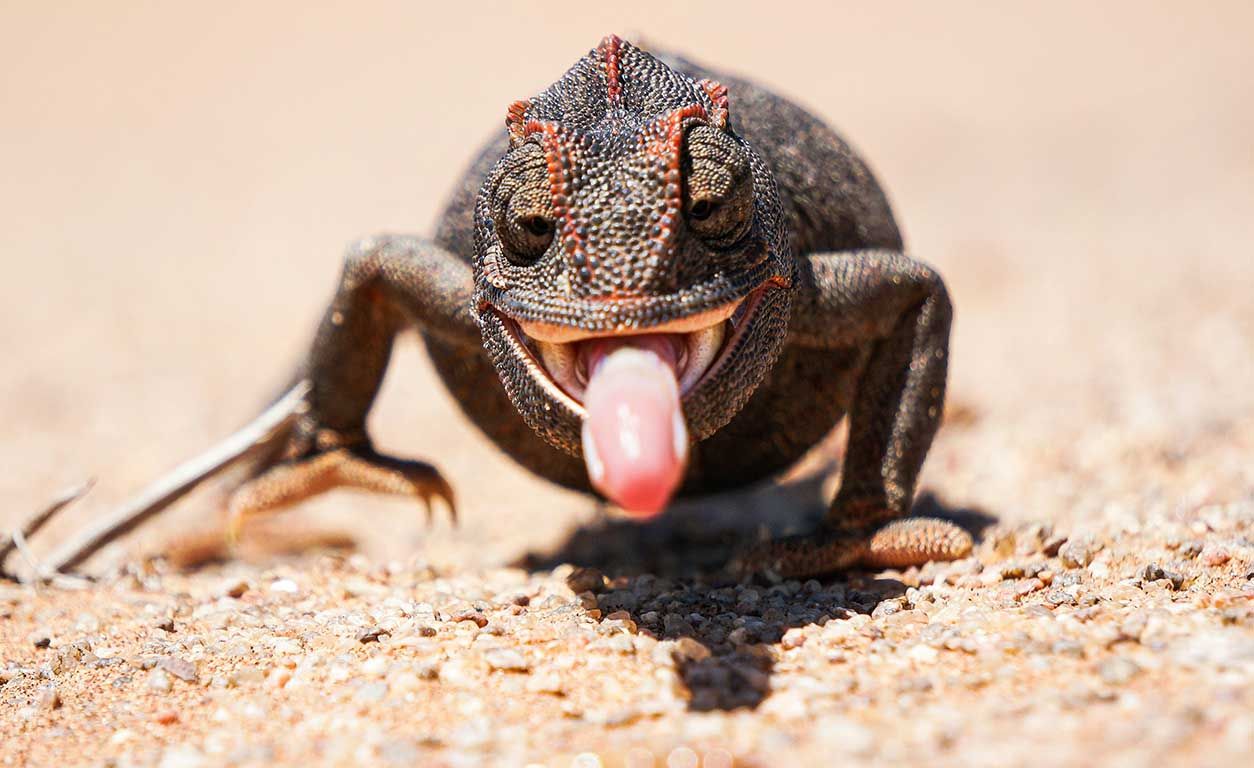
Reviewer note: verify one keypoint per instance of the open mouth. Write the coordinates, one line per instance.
(694, 346)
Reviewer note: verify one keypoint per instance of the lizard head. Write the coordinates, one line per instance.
(632, 268)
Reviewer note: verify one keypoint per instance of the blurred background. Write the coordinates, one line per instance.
(177, 183)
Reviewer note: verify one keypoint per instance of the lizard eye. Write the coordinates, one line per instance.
(718, 187)
(701, 209)
(524, 209)
(526, 237)
(538, 226)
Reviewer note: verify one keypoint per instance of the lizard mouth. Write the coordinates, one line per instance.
(562, 356)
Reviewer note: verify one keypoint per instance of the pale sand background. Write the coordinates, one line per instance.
(177, 184)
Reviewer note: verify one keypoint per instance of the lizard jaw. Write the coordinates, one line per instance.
(569, 363)
(560, 354)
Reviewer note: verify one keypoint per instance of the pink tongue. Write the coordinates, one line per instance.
(634, 439)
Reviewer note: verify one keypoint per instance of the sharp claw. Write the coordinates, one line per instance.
(356, 467)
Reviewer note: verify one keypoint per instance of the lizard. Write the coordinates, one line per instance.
(658, 280)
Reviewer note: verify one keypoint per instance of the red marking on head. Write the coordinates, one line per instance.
(515, 119)
(561, 149)
(663, 139)
(718, 96)
(609, 50)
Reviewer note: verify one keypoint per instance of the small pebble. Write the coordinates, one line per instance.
(1078, 553)
(687, 649)
(674, 624)
(1068, 648)
(427, 669)
(506, 659)
(233, 588)
(1001, 542)
(459, 674)
(1118, 670)
(245, 676)
(1215, 556)
(1052, 544)
(180, 668)
(48, 699)
(585, 580)
(1133, 627)
(621, 643)
(375, 667)
(470, 614)
(924, 654)
(278, 678)
(1190, 549)
(1028, 586)
(285, 587)
(159, 681)
(371, 692)
(545, 682)
(620, 620)
(371, 635)
(1012, 571)
(1154, 572)
(405, 682)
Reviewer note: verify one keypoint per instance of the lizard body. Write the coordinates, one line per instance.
(651, 205)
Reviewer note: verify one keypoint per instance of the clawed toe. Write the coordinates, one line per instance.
(899, 544)
(359, 467)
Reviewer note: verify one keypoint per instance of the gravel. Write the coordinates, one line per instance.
(753, 665)
(1099, 433)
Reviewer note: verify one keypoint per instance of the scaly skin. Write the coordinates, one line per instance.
(631, 194)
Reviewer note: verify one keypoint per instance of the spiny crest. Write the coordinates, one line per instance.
(615, 87)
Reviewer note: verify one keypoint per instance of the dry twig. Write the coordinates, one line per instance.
(168, 488)
(17, 537)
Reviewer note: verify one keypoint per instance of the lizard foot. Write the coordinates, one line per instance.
(898, 544)
(358, 467)
(915, 541)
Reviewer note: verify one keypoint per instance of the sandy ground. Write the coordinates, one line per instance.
(177, 185)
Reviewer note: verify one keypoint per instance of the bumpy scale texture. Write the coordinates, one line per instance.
(635, 191)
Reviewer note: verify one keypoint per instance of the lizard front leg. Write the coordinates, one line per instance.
(389, 284)
(897, 310)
